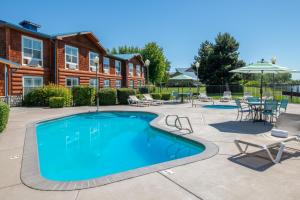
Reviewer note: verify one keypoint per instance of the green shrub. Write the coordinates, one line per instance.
(252, 84)
(4, 113)
(56, 102)
(83, 95)
(156, 95)
(143, 90)
(107, 97)
(166, 96)
(123, 94)
(40, 96)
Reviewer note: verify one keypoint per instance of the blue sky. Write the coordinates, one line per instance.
(264, 28)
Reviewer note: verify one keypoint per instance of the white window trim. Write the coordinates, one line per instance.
(41, 77)
(90, 61)
(77, 68)
(42, 50)
(108, 70)
(131, 73)
(120, 72)
(120, 83)
(71, 77)
(138, 74)
(104, 86)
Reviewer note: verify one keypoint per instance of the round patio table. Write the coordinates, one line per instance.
(256, 106)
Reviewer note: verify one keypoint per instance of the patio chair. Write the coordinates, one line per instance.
(287, 122)
(149, 98)
(270, 109)
(283, 105)
(253, 99)
(226, 97)
(203, 97)
(242, 109)
(175, 96)
(134, 101)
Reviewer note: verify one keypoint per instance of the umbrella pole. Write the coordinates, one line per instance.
(261, 94)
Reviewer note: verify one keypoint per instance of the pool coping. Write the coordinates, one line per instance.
(30, 170)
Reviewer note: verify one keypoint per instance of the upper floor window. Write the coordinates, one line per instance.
(130, 66)
(138, 70)
(72, 81)
(106, 65)
(118, 83)
(71, 57)
(32, 51)
(118, 67)
(106, 84)
(92, 56)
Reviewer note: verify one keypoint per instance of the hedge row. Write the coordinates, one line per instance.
(83, 96)
(107, 97)
(4, 113)
(56, 102)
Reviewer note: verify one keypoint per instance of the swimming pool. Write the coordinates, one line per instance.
(93, 145)
(220, 106)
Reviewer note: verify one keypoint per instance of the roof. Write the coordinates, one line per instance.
(62, 35)
(186, 69)
(126, 57)
(10, 63)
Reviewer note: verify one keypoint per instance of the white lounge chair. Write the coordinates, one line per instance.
(287, 122)
(203, 97)
(148, 97)
(133, 100)
(246, 96)
(226, 96)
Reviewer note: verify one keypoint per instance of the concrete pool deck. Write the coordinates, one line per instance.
(223, 176)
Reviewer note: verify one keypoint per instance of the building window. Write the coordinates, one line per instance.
(106, 65)
(139, 83)
(118, 83)
(130, 66)
(30, 82)
(71, 57)
(131, 83)
(93, 82)
(72, 81)
(118, 67)
(138, 70)
(92, 56)
(106, 84)
(32, 52)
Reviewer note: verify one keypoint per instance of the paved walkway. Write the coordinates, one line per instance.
(220, 177)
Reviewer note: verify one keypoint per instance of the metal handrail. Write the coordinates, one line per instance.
(178, 124)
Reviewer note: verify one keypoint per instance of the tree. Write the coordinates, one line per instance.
(217, 59)
(125, 50)
(157, 67)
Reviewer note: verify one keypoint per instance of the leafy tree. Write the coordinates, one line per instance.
(217, 59)
(157, 67)
(125, 50)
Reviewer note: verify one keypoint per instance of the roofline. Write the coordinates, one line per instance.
(10, 63)
(133, 56)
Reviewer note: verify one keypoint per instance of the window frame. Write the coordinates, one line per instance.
(138, 73)
(120, 71)
(131, 73)
(22, 50)
(131, 81)
(71, 77)
(90, 66)
(104, 69)
(94, 86)
(32, 77)
(104, 85)
(119, 85)
(77, 64)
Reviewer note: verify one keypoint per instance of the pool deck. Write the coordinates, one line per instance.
(224, 176)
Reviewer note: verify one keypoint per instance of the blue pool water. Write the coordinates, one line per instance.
(91, 145)
(220, 106)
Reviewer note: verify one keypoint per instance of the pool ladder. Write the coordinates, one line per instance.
(178, 123)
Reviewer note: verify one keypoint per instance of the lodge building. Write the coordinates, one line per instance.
(29, 58)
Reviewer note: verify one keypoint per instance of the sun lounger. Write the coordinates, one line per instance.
(226, 96)
(148, 97)
(287, 122)
(203, 97)
(133, 100)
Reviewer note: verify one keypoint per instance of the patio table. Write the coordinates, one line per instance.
(182, 95)
(257, 107)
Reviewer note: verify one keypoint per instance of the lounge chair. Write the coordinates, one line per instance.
(203, 97)
(226, 96)
(148, 97)
(287, 122)
(267, 96)
(133, 100)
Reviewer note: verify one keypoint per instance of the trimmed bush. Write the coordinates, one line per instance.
(83, 95)
(166, 96)
(123, 94)
(156, 95)
(107, 97)
(40, 96)
(4, 113)
(56, 102)
(143, 90)
(213, 89)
